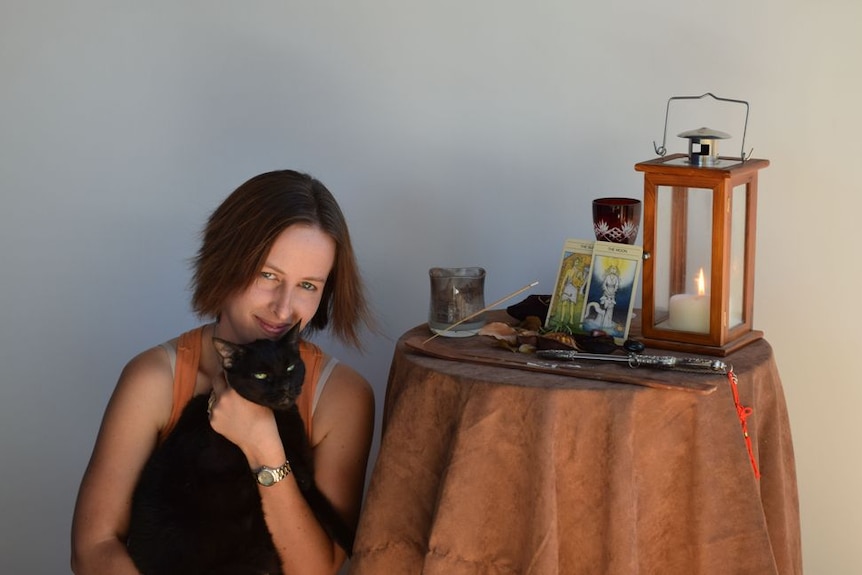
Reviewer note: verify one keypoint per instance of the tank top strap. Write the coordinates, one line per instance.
(312, 357)
(185, 376)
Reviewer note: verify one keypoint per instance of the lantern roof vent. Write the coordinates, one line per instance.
(703, 145)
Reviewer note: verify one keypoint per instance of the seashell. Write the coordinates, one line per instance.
(501, 331)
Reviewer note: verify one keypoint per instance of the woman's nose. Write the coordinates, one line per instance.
(281, 305)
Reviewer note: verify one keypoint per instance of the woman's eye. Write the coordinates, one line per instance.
(267, 281)
(308, 286)
(260, 375)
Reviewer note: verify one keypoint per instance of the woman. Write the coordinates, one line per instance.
(276, 252)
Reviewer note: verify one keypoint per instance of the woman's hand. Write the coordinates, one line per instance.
(250, 426)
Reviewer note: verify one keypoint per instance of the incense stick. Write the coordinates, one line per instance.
(484, 309)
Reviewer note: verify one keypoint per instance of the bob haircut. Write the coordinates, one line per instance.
(240, 232)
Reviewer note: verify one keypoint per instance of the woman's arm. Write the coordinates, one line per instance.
(343, 428)
(139, 407)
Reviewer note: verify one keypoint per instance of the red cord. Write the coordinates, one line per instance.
(743, 413)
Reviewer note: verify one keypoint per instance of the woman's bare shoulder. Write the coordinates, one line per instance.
(347, 400)
(146, 386)
(151, 367)
(346, 383)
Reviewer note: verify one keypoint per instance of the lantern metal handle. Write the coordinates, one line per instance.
(662, 150)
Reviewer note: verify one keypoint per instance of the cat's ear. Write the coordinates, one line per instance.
(292, 335)
(227, 350)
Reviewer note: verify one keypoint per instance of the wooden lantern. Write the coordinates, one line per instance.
(699, 216)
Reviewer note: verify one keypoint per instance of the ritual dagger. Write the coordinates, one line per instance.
(690, 364)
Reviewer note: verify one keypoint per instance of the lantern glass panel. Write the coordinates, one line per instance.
(682, 256)
(737, 254)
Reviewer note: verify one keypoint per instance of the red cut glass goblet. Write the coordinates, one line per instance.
(616, 219)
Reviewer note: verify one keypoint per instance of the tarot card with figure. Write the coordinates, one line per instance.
(611, 289)
(567, 301)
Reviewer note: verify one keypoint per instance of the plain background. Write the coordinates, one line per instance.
(453, 133)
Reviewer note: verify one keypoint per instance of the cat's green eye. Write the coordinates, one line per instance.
(260, 375)
(290, 368)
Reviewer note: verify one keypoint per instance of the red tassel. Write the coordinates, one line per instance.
(743, 413)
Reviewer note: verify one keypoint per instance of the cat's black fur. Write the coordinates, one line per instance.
(196, 508)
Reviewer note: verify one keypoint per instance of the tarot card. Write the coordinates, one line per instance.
(570, 289)
(611, 289)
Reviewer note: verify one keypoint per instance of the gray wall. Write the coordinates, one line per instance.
(453, 133)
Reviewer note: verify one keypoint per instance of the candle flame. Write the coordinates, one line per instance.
(701, 283)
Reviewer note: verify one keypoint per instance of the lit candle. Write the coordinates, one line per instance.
(690, 312)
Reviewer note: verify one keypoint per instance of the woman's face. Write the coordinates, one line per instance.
(287, 290)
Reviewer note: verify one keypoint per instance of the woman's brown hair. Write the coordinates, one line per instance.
(241, 231)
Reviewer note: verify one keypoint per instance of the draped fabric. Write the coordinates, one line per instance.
(486, 470)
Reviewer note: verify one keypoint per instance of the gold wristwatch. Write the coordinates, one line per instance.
(268, 476)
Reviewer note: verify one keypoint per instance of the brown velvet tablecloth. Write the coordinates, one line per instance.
(489, 470)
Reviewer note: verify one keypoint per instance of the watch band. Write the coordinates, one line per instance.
(269, 476)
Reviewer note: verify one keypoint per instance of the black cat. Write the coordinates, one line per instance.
(196, 508)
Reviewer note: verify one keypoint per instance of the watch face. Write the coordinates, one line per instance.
(266, 477)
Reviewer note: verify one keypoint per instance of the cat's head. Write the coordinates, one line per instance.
(266, 372)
